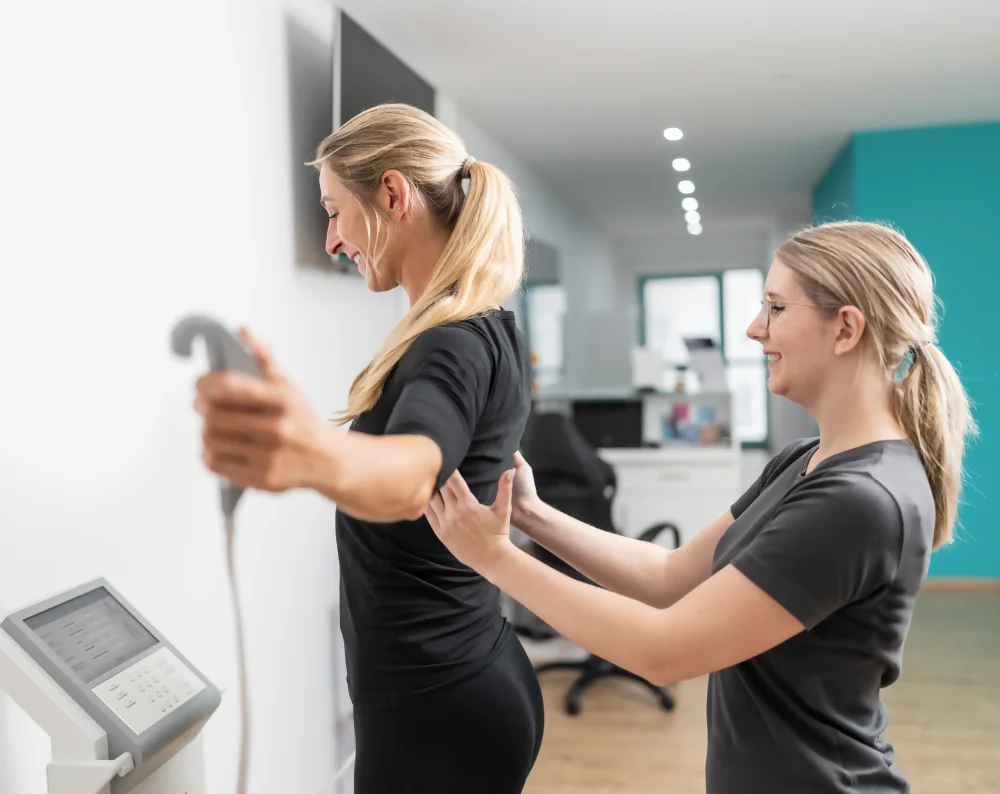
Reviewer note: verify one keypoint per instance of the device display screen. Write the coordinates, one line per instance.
(92, 633)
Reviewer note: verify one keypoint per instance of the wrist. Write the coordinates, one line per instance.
(322, 474)
(525, 513)
(500, 560)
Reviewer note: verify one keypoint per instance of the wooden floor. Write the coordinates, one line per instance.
(944, 717)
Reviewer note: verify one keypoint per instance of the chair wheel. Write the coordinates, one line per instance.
(572, 707)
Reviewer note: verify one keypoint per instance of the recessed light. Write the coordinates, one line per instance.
(681, 164)
(694, 228)
(690, 204)
(672, 134)
(692, 216)
(685, 186)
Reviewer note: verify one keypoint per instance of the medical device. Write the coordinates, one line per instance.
(123, 707)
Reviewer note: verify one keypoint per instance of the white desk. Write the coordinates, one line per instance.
(689, 487)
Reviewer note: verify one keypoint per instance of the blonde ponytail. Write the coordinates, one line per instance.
(876, 269)
(933, 409)
(483, 262)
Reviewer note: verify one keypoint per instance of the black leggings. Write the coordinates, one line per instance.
(480, 736)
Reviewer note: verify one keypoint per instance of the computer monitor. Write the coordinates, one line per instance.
(609, 423)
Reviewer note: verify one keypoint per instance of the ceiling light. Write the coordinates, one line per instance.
(694, 228)
(692, 216)
(672, 134)
(685, 186)
(690, 204)
(680, 164)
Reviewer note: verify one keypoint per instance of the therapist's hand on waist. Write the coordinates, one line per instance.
(259, 432)
(478, 535)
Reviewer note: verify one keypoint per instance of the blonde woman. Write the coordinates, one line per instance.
(797, 600)
(445, 699)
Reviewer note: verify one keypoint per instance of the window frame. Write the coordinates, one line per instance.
(526, 316)
(643, 279)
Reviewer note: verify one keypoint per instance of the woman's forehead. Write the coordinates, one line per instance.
(781, 283)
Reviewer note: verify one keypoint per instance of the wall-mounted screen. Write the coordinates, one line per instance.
(365, 74)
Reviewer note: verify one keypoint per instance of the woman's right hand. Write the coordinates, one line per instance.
(524, 495)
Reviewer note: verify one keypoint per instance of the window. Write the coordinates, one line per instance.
(545, 311)
(719, 306)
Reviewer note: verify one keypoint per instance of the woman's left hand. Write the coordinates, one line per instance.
(258, 432)
(478, 535)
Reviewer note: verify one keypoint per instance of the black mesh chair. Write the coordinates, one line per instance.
(574, 479)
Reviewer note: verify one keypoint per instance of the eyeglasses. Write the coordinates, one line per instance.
(769, 307)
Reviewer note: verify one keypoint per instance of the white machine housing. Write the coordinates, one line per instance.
(122, 706)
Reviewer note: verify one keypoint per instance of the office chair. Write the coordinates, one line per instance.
(571, 477)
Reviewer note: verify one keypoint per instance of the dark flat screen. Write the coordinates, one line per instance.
(372, 75)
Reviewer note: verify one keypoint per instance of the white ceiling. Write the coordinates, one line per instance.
(766, 91)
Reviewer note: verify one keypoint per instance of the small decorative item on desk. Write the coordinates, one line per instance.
(711, 435)
(692, 423)
(681, 385)
(677, 424)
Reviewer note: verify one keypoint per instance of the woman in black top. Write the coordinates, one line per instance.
(798, 599)
(445, 700)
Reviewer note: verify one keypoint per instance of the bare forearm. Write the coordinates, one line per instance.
(725, 621)
(624, 565)
(616, 628)
(376, 478)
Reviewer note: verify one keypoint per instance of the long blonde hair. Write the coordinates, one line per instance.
(876, 269)
(483, 261)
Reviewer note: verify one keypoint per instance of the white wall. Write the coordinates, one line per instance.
(147, 169)
(151, 168)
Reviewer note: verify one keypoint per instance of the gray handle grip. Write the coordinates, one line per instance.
(226, 351)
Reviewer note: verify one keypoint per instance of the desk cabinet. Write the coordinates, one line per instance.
(689, 487)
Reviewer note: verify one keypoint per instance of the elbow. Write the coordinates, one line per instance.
(673, 666)
(417, 503)
(658, 665)
(658, 675)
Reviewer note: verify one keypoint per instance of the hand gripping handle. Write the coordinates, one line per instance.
(226, 351)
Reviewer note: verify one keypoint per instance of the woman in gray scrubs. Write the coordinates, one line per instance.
(797, 600)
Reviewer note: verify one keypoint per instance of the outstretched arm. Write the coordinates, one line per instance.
(378, 478)
(261, 433)
(722, 622)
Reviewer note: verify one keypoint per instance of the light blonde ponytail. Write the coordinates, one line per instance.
(876, 269)
(933, 409)
(483, 262)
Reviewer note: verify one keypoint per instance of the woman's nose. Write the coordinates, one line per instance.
(333, 241)
(757, 329)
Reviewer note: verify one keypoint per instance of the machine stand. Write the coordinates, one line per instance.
(86, 777)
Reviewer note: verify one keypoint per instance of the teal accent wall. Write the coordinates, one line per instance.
(940, 186)
(833, 196)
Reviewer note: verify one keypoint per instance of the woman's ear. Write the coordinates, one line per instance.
(850, 329)
(394, 194)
